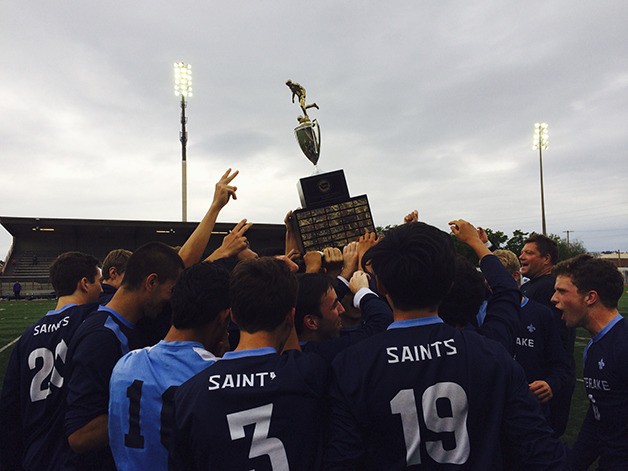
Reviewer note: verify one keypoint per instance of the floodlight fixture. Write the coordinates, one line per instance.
(183, 89)
(541, 136)
(182, 80)
(540, 141)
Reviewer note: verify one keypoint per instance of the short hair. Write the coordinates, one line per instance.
(153, 257)
(262, 291)
(201, 293)
(468, 292)
(415, 263)
(545, 245)
(117, 259)
(590, 273)
(509, 259)
(312, 288)
(69, 268)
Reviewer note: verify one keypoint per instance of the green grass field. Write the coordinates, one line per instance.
(15, 316)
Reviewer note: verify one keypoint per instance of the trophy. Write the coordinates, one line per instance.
(308, 132)
(329, 216)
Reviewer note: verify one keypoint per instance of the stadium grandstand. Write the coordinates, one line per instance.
(38, 241)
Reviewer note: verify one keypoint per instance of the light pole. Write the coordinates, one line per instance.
(183, 88)
(540, 143)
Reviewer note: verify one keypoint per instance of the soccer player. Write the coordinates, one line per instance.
(587, 291)
(425, 395)
(101, 341)
(113, 268)
(144, 381)
(539, 349)
(255, 408)
(538, 257)
(318, 310)
(31, 418)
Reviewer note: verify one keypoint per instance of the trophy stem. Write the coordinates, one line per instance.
(316, 170)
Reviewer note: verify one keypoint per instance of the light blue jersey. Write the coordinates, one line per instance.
(141, 391)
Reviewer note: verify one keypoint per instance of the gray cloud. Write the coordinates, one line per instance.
(426, 105)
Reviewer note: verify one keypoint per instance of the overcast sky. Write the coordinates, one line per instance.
(426, 105)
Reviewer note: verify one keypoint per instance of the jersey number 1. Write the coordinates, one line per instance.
(135, 439)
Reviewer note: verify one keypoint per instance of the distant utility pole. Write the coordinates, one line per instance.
(568, 237)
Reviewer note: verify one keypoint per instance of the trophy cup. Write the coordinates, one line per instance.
(329, 216)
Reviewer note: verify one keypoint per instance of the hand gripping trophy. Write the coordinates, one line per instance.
(308, 132)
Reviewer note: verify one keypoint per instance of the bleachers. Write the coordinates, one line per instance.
(32, 265)
(47, 238)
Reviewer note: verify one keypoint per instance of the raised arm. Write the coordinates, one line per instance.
(193, 249)
(291, 245)
(233, 243)
(504, 303)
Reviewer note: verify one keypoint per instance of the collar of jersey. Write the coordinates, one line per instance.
(67, 306)
(180, 343)
(117, 315)
(255, 352)
(601, 333)
(415, 322)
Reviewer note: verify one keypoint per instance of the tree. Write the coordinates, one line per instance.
(516, 242)
(565, 250)
(496, 237)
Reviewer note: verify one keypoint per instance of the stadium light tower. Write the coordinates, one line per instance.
(540, 142)
(183, 88)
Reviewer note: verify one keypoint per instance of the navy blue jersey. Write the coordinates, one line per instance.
(107, 293)
(605, 428)
(142, 389)
(541, 290)
(539, 349)
(424, 395)
(31, 410)
(253, 409)
(502, 306)
(98, 344)
(376, 316)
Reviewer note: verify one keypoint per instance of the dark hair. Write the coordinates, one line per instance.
(69, 268)
(594, 274)
(463, 301)
(201, 293)
(117, 259)
(545, 246)
(312, 288)
(415, 263)
(153, 257)
(262, 291)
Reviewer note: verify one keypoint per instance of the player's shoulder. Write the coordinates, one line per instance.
(131, 361)
(534, 310)
(305, 361)
(617, 337)
(95, 319)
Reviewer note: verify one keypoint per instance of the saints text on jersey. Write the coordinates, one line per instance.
(421, 352)
(240, 380)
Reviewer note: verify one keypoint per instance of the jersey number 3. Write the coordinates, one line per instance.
(404, 404)
(261, 444)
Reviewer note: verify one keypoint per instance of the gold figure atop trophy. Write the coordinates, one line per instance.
(308, 132)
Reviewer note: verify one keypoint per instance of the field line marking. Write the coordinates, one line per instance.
(9, 344)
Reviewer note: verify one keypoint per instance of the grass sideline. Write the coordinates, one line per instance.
(15, 316)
